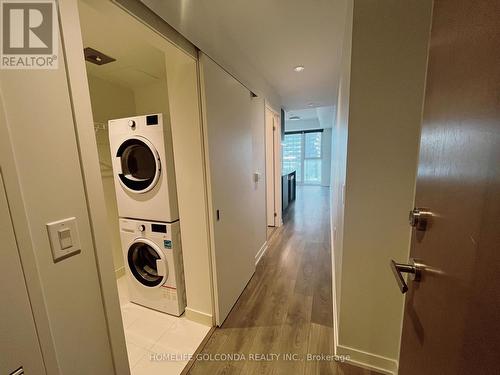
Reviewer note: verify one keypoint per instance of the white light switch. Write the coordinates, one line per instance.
(64, 238)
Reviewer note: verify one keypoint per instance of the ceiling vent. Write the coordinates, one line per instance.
(96, 57)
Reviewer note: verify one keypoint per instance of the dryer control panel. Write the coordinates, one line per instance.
(158, 228)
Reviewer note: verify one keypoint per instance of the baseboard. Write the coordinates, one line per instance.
(335, 309)
(334, 292)
(199, 317)
(260, 253)
(119, 272)
(367, 360)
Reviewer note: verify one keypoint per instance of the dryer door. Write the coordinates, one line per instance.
(147, 263)
(138, 165)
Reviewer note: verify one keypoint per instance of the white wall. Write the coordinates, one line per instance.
(339, 165)
(326, 115)
(326, 156)
(110, 101)
(47, 164)
(388, 64)
(303, 124)
(153, 99)
(185, 17)
(185, 116)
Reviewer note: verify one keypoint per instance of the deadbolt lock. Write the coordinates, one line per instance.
(419, 218)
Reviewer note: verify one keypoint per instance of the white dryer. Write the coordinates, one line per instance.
(143, 168)
(153, 263)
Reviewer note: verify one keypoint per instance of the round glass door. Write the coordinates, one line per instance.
(140, 165)
(147, 263)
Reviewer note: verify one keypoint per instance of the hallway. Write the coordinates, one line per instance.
(287, 306)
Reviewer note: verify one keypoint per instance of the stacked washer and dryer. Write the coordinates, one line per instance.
(144, 175)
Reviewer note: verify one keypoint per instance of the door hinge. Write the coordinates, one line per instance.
(275, 214)
(274, 128)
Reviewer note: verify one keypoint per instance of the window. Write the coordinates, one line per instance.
(302, 153)
(312, 148)
(312, 158)
(292, 154)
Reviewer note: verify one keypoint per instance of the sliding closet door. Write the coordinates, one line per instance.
(228, 129)
(19, 345)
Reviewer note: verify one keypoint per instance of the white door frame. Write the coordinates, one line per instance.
(273, 160)
(89, 161)
(91, 169)
(269, 178)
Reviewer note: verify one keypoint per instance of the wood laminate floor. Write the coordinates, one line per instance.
(286, 308)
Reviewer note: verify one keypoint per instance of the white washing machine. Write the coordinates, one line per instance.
(143, 168)
(153, 263)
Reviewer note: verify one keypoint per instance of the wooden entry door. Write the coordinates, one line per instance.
(452, 315)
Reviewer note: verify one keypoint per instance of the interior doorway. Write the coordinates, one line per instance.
(287, 306)
(127, 68)
(306, 154)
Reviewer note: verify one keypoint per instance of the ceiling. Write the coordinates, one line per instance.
(304, 114)
(137, 63)
(311, 118)
(268, 39)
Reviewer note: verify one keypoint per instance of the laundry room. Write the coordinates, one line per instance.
(133, 84)
(128, 89)
(127, 79)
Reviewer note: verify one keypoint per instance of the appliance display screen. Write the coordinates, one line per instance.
(158, 228)
(152, 120)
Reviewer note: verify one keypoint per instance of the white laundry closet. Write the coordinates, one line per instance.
(127, 78)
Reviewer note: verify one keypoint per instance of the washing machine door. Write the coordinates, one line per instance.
(138, 164)
(147, 263)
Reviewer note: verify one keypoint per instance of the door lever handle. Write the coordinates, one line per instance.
(413, 269)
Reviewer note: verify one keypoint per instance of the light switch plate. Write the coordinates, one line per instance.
(64, 238)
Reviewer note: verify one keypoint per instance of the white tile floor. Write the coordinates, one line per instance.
(157, 343)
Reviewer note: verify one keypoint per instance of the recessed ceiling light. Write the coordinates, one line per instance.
(294, 117)
(299, 68)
